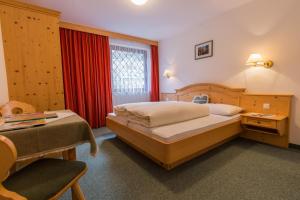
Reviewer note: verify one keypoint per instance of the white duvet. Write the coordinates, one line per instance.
(153, 114)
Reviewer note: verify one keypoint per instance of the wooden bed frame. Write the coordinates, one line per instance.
(169, 155)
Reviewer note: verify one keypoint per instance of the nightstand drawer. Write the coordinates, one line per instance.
(260, 122)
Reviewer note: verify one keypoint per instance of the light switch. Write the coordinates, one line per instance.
(266, 106)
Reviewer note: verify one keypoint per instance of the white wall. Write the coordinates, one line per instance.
(3, 78)
(269, 27)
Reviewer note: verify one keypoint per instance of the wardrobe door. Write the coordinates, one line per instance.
(32, 55)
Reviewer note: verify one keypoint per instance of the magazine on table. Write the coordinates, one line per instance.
(28, 120)
(28, 117)
(21, 125)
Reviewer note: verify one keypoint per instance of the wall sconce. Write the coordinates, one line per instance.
(256, 60)
(167, 73)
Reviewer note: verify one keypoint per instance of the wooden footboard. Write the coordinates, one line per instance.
(170, 155)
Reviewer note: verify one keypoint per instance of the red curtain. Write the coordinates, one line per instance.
(154, 95)
(86, 75)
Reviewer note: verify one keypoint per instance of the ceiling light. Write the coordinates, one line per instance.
(139, 2)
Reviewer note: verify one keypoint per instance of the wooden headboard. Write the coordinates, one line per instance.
(279, 103)
(217, 93)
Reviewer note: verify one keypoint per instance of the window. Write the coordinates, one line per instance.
(129, 70)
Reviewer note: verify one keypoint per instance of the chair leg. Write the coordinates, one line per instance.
(77, 193)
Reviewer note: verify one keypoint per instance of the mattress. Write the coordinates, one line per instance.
(178, 131)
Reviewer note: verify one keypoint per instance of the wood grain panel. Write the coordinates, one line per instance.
(279, 104)
(217, 93)
(32, 55)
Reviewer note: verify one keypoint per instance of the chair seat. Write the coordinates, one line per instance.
(44, 178)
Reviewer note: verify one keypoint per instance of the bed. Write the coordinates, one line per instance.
(173, 144)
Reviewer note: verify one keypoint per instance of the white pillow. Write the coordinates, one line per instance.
(224, 109)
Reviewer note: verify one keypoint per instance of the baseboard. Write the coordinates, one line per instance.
(294, 146)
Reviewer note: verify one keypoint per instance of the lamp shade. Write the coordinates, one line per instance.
(167, 73)
(254, 59)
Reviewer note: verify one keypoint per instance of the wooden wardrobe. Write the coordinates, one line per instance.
(32, 54)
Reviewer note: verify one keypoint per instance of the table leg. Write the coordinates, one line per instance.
(69, 154)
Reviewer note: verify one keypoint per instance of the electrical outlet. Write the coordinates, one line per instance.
(266, 106)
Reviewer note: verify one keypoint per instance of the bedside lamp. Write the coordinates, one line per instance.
(167, 74)
(256, 60)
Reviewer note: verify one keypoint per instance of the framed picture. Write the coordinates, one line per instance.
(204, 50)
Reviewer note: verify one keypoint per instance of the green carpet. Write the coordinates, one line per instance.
(241, 170)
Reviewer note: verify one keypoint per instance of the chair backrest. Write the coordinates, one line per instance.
(16, 107)
(8, 156)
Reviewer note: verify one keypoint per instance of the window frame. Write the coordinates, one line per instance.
(135, 47)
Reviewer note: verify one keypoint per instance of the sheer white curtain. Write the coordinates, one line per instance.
(130, 72)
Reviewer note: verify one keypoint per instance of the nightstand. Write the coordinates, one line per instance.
(270, 129)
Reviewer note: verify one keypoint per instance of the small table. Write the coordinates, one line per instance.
(271, 129)
(57, 136)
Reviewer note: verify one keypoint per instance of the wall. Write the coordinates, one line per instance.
(263, 26)
(3, 78)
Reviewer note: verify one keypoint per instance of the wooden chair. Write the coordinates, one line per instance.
(41, 180)
(16, 107)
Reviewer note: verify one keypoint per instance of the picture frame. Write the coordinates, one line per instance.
(204, 50)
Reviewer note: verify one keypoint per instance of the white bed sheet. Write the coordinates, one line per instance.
(178, 131)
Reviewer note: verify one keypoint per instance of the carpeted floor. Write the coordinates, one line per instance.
(239, 170)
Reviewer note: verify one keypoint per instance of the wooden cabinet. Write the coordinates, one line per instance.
(271, 129)
(32, 54)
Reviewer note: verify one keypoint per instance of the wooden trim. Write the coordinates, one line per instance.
(31, 7)
(103, 32)
(211, 84)
(280, 95)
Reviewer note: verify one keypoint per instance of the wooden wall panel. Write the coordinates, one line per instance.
(32, 56)
(279, 104)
